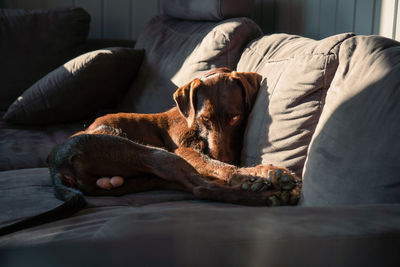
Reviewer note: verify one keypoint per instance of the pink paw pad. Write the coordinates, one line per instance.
(117, 181)
(109, 183)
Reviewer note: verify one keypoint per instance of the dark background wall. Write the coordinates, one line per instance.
(124, 19)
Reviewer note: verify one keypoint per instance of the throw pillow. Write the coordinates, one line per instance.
(354, 156)
(35, 42)
(78, 88)
(297, 72)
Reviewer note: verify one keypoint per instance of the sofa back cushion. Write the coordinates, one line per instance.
(33, 43)
(210, 10)
(28, 147)
(354, 156)
(177, 51)
(296, 72)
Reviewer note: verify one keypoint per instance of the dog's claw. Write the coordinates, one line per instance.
(286, 178)
(256, 187)
(274, 201)
(267, 183)
(287, 187)
(278, 173)
(287, 182)
(285, 197)
(264, 187)
(259, 185)
(245, 186)
(269, 175)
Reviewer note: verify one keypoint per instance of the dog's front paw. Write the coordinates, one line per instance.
(282, 185)
(230, 194)
(263, 177)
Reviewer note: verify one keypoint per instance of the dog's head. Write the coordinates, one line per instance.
(217, 107)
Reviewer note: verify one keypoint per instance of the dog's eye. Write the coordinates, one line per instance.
(205, 119)
(234, 120)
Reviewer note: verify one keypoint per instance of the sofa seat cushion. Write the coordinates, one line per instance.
(34, 42)
(354, 156)
(29, 146)
(178, 51)
(164, 223)
(296, 72)
(28, 192)
(25, 193)
(182, 233)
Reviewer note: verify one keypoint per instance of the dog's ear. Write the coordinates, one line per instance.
(251, 83)
(185, 98)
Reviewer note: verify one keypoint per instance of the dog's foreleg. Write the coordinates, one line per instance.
(258, 185)
(206, 166)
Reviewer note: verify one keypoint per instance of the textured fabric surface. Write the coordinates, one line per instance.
(78, 88)
(24, 193)
(354, 156)
(152, 250)
(208, 10)
(28, 192)
(35, 42)
(203, 221)
(296, 72)
(178, 229)
(178, 51)
(29, 146)
(188, 247)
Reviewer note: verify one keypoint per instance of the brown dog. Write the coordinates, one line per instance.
(192, 147)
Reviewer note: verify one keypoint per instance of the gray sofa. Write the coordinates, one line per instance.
(328, 109)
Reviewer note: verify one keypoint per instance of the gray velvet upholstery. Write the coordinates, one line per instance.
(28, 147)
(344, 251)
(207, 10)
(28, 192)
(178, 51)
(253, 248)
(159, 213)
(296, 72)
(354, 156)
(25, 193)
(33, 43)
(182, 231)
